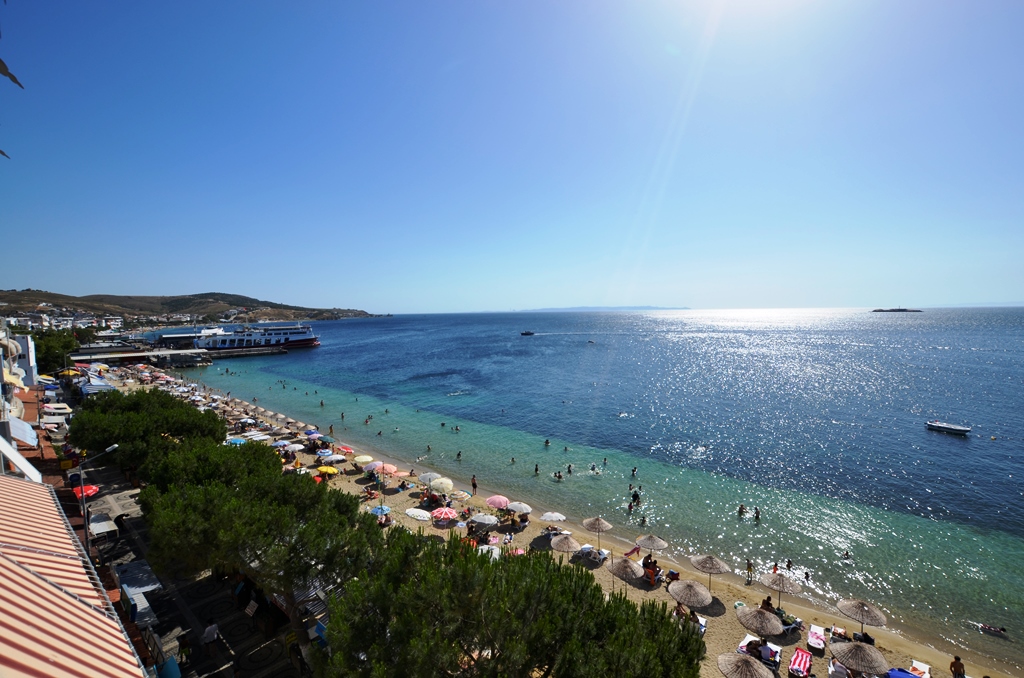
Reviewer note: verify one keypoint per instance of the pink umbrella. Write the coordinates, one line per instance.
(444, 513)
(314, 436)
(390, 469)
(401, 474)
(497, 501)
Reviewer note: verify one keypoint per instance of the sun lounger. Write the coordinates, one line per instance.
(796, 625)
(816, 638)
(800, 664)
(838, 634)
(703, 624)
(775, 660)
(589, 551)
(920, 669)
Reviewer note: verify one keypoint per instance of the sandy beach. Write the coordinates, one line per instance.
(724, 632)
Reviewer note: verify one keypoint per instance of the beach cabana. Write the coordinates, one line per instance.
(598, 525)
(862, 611)
(690, 593)
(709, 565)
(779, 582)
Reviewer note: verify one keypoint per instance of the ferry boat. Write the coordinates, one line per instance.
(280, 336)
(942, 426)
(527, 333)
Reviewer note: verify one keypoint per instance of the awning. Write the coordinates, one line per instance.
(20, 462)
(23, 432)
(13, 379)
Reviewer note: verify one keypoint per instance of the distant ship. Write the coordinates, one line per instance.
(896, 310)
(942, 426)
(527, 333)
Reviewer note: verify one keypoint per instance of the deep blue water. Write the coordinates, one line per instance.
(817, 416)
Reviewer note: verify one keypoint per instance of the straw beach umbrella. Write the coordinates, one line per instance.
(597, 524)
(625, 568)
(690, 593)
(862, 611)
(761, 622)
(781, 583)
(736, 665)
(709, 565)
(565, 543)
(859, 657)
(651, 542)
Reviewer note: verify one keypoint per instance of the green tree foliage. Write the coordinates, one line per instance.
(52, 349)
(146, 425)
(426, 609)
(225, 506)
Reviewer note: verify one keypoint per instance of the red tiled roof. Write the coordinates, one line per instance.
(54, 618)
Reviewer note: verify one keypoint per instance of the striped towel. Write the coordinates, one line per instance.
(800, 665)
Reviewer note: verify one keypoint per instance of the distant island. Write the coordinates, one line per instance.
(602, 309)
(896, 310)
(205, 307)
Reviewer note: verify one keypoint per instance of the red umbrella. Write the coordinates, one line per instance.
(346, 449)
(444, 513)
(89, 491)
(318, 479)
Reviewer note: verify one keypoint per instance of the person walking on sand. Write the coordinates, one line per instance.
(957, 668)
(473, 483)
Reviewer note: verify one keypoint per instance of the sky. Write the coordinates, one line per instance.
(420, 157)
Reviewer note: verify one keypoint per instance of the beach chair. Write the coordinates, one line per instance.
(790, 624)
(838, 635)
(597, 555)
(816, 638)
(800, 664)
(774, 662)
(703, 624)
(920, 669)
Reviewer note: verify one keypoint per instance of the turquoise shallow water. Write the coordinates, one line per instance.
(815, 417)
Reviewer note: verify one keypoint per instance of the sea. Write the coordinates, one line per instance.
(814, 416)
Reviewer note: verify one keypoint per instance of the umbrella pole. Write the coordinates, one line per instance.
(709, 581)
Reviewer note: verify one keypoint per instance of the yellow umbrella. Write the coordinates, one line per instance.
(329, 470)
(363, 459)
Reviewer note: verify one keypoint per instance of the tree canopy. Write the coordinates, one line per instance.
(426, 609)
(145, 424)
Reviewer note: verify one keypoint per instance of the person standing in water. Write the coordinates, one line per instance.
(473, 482)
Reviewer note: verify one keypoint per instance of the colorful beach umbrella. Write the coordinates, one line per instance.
(346, 449)
(444, 514)
(441, 485)
(279, 443)
(314, 435)
(311, 431)
(381, 510)
(417, 514)
(329, 470)
(323, 453)
(389, 469)
(497, 501)
(363, 459)
(326, 439)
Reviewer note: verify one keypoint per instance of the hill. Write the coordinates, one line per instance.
(212, 304)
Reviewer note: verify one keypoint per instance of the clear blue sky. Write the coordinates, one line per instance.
(464, 156)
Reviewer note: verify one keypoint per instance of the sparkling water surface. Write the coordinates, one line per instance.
(815, 416)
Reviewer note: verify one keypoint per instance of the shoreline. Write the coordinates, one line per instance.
(899, 643)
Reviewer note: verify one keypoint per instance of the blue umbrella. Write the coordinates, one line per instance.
(51, 387)
(312, 430)
(279, 443)
(324, 453)
(380, 510)
(236, 441)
